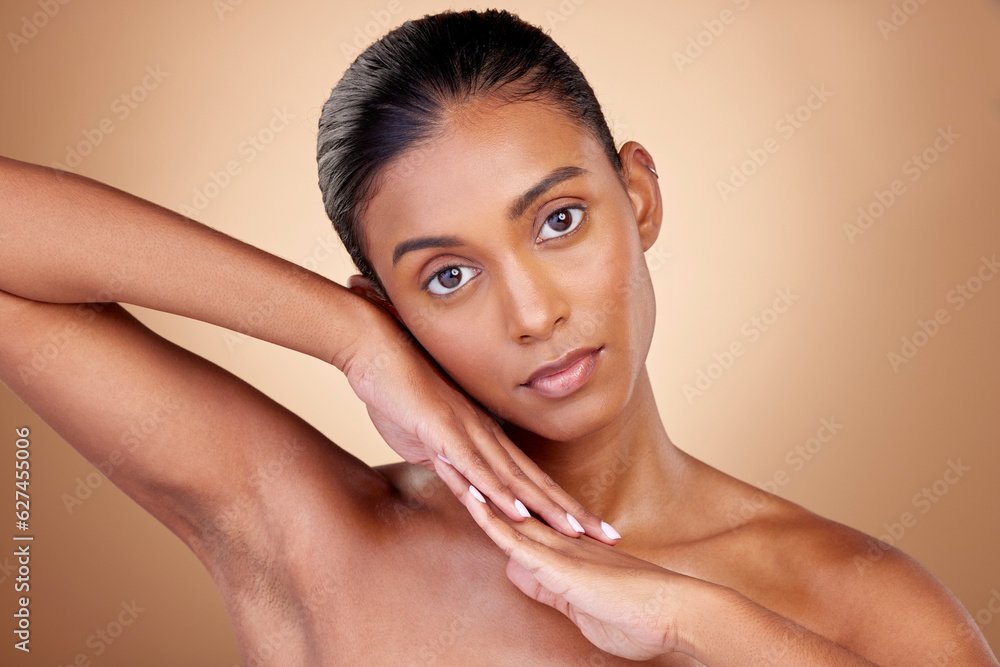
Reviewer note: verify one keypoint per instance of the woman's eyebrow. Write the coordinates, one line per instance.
(554, 177)
(514, 211)
(424, 242)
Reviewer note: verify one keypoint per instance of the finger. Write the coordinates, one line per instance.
(455, 480)
(475, 469)
(525, 581)
(531, 554)
(461, 487)
(506, 469)
(561, 500)
(547, 571)
(505, 534)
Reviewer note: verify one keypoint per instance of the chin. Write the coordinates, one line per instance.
(557, 431)
(574, 417)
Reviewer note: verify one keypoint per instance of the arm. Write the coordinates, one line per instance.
(69, 240)
(723, 627)
(630, 607)
(213, 459)
(901, 613)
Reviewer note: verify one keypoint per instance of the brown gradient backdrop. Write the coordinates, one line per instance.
(717, 264)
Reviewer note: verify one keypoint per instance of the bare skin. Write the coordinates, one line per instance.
(323, 560)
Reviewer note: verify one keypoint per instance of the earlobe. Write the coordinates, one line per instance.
(643, 186)
(361, 285)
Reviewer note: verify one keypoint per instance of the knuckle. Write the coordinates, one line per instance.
(550, 483)
(513, 470)
(478, 466)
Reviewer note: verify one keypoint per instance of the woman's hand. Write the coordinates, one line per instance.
(423, 416)
(624, 605)
(638, 610)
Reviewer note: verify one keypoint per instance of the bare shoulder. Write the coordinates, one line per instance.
(845, 585)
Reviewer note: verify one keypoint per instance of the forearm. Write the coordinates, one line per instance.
(68, 239)
(722, 627)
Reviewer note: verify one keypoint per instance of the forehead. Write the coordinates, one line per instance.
(487, 156)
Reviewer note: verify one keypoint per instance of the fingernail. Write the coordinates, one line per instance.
(610, 531)
(573, 522)
(444, 459)
(476, 494)
(521, 509)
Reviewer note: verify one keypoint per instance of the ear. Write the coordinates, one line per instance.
(363, 286)
(643, 188)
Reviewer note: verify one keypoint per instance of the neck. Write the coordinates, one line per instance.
(624, 472)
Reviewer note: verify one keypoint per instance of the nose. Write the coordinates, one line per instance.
(534, 304)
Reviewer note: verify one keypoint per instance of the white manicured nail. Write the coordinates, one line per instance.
(521, 509)
(610, 531)
(573, 522)
(444, 459)
(476, 494)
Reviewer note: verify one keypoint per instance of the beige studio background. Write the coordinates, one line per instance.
(707, 87)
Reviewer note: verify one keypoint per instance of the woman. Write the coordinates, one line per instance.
(500, 345)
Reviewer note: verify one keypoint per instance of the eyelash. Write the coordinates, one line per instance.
(448, 267)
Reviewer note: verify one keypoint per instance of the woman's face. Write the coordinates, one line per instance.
(513, 254)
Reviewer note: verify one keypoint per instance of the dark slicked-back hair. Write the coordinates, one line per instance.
(396, 95)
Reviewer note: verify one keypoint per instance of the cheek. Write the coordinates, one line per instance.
(619, 290)
(638, 304)
(467, 350)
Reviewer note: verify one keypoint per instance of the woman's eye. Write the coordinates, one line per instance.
(449, 279)
(562, 222)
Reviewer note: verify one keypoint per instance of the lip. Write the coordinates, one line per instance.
(565, 376)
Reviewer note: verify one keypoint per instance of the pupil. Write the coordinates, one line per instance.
(561, 221)
(450, 278)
